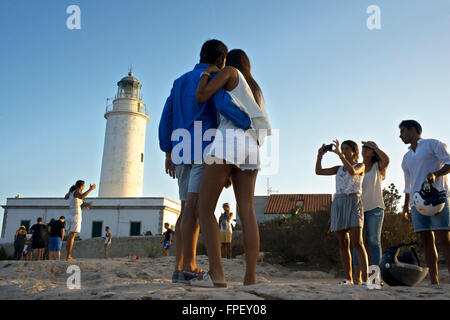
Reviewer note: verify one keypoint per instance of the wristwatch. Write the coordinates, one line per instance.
(205, 73)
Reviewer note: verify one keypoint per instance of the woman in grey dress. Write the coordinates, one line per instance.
(347, 215)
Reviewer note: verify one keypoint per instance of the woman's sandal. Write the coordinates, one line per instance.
(204, 280)
(345, 283)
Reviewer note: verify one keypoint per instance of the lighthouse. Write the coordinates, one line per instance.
(122, 172)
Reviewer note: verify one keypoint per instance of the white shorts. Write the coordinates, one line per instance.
(235, 147)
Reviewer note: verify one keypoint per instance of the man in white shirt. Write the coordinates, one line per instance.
(426, 159)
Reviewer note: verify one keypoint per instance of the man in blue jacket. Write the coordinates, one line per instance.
(183, 124)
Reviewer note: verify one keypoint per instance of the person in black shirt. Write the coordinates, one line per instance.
(56, 237)
(37, 243)
(167, 239)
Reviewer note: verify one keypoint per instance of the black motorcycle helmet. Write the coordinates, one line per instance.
(403, 270)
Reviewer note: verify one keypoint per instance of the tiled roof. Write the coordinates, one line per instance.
(282, 203)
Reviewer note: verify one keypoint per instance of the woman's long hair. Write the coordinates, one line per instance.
(238, 59)
(76, 186)
(354, 146)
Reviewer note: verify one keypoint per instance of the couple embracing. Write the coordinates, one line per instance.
(218, 99)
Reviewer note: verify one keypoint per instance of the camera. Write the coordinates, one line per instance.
(328, 147)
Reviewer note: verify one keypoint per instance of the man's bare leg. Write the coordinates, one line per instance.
(431, 255)
(179, 240)
(190, 229)
(443, 237)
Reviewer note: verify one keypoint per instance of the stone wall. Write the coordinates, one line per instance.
(142, 246)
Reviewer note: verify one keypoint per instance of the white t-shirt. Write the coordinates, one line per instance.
(430, 156)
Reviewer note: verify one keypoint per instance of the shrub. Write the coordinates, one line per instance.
(301, 237)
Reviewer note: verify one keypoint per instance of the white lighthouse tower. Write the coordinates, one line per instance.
(123, 153)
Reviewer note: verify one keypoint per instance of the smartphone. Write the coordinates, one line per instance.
(328, 147)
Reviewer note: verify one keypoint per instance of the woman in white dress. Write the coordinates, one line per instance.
(233, 154)
(73, 221)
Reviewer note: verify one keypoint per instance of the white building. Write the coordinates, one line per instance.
(120, 204)
(125, 216)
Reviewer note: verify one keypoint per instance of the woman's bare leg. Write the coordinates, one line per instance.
(244, 191)
(346, 257)
(361, 253)
(70, 245)
(213, 180)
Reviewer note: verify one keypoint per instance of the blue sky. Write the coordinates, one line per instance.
(324, 75)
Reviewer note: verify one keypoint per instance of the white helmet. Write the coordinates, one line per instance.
(428, 201)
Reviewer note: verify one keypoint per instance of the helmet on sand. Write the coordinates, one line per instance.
(403, 270)
(428, 200)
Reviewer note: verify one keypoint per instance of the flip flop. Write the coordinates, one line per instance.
(204, 280)
(345, 283)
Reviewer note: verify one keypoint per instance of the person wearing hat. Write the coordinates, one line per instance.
(19, 242)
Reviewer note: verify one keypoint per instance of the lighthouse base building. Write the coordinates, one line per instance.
(125, 216)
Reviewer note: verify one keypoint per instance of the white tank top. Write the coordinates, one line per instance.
(372, 193)
(346, 183)
(75, 204)
(241, 95)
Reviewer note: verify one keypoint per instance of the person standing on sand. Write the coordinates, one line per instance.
(376, 163)
(226, 230)
(37, 243)
(347, 214)
(56, 237)
(183, 113)
(108, 237)
(75, 197)
(168, 236)
(20, 238)
(426, 159)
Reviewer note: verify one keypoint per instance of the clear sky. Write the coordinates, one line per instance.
(324, 75)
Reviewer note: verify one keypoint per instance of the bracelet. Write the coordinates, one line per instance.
(205, 73)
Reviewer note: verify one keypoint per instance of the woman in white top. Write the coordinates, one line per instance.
(73, 221)
(233, 154)
(376, 163)
(347, 216)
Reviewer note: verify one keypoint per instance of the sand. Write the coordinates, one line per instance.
(150, 279)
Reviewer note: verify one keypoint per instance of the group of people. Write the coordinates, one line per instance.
(358, 202)
(46, 239)
(41, 241)
(221, 94)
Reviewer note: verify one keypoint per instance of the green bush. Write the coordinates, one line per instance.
(297, 236)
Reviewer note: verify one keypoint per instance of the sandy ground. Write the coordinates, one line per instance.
(150, 278)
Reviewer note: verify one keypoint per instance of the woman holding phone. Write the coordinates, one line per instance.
(347, 215)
